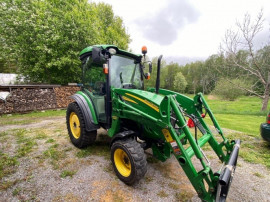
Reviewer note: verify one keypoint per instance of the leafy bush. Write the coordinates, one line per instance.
(229, 89)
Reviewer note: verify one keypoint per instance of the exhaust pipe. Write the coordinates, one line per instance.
(158, 73)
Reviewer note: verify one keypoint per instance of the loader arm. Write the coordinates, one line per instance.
(218, 183)
(162, 118)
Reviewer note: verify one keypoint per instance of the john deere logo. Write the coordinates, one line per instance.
(153, 106)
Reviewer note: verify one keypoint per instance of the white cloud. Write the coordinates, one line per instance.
(193, 32)
(163, 26)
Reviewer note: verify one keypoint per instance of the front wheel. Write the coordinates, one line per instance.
(76, 127)
(129, 161)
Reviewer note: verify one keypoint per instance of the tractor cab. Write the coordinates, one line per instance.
(105, 67)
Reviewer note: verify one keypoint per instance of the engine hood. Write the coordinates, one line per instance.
(142, 98)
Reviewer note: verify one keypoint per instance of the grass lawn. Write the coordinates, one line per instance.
(242, 106)
(243, 115)
(20, 119)
(248, 124)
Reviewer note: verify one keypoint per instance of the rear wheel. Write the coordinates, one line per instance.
(76, 127)
(129, 161)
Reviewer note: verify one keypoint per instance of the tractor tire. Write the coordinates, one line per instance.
(129, 161)
(76, 127)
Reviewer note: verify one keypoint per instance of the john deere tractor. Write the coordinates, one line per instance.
(113, 97)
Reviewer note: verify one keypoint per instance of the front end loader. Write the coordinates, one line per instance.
(112, 96)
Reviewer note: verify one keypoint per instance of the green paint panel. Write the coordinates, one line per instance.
(90, 105)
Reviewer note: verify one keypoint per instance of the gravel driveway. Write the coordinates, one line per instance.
(54, 170)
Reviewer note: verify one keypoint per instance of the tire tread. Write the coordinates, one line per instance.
(86, 138)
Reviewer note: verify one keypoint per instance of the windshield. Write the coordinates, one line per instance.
(125, 72)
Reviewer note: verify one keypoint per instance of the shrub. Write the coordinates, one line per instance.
(229, 89)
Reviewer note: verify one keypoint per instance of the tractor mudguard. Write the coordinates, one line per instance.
(122, 135)
(87, 115)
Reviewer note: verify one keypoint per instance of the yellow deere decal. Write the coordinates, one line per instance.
(167, 135)
(129, 100)
(145, 102)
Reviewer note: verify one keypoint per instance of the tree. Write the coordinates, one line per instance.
(180, 82)
(227, 91)
(253, 64)
(44, 38)
(193, 73)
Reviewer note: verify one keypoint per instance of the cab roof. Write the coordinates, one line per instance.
(89, 49)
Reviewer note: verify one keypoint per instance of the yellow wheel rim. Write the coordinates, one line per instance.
(74, 124)
(122, 162)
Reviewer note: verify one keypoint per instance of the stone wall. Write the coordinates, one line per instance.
(35, 98)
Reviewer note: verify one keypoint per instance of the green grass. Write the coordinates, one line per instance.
(67, 173)
(7, 164)
(54, 153)
(243, 115)
(7, 184)
(50, 140)
(253, 149)
(20, 119)
(26, 148)
(41, 135)
(249, 124)
(26, 143)
(3, 134)
(16, 191)
(258, 175)
(20, 136)
(242, 106)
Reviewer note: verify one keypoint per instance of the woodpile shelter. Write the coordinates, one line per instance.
(25, 98)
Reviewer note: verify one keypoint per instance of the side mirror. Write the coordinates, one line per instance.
(97, 56)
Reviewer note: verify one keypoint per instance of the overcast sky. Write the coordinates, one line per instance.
(185, 30)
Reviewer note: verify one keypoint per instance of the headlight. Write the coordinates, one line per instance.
(112, 51)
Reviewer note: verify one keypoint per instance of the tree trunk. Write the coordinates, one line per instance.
(266, 94)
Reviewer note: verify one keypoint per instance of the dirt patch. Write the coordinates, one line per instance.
(212, 97)
(39, 124)
(52, 169)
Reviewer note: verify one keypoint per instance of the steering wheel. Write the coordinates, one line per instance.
(128, 86)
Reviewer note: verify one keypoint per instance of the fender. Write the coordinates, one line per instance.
(122, 135)
(89, 117)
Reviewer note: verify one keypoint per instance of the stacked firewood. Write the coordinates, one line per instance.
(31, 99)
(6, 107)
(63, 94)
(22, 100)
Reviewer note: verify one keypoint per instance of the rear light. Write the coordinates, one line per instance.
(268, 119)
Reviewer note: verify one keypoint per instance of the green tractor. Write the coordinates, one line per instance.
(112, 96)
